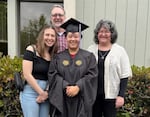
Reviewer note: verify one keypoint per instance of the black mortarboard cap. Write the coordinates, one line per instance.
(73, 25)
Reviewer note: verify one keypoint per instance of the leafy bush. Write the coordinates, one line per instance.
(9, 96)
(137, 100)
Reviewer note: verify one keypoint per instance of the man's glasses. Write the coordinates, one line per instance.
(59, 15)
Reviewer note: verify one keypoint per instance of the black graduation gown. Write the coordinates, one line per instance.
(81, 71)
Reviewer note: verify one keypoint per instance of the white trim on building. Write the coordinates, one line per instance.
(12, 21)
(70, 8)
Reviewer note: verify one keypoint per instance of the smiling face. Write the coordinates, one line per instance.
(49, 37)
(104, 35)
(57, 16)
(73, 40)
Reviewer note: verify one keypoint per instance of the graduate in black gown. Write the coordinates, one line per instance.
(73, 76)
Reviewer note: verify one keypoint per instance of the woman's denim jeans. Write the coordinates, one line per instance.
(29, 105)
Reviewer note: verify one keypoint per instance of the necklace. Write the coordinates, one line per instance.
(103, 54)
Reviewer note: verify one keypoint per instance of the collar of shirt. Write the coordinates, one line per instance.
(60, 33)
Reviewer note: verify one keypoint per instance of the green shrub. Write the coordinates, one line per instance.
(137, 100)
(9, 96)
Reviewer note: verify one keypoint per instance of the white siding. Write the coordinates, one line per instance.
(131, 25)
(147, 48)
(132, 19)
(141, 31)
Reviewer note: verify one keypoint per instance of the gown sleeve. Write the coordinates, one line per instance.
(55, 82)
(88, 83)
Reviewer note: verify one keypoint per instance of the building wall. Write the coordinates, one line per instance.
(132, 19)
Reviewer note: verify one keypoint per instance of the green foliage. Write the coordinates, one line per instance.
(9, 98)
(137, 100)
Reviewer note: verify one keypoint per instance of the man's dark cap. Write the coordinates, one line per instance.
(73, 25)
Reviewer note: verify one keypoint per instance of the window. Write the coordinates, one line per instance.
(33, 15)
(3, 27)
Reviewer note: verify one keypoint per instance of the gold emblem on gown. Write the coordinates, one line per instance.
(65, 62)
(78, 62)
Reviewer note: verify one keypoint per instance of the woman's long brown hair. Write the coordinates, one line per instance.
(40, 46)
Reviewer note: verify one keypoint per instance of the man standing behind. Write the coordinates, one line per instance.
(57, 18)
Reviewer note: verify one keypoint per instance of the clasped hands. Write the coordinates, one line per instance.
(72, 91)
(42, 97)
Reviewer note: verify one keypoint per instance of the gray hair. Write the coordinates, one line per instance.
(108, 25)
(58, 6)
